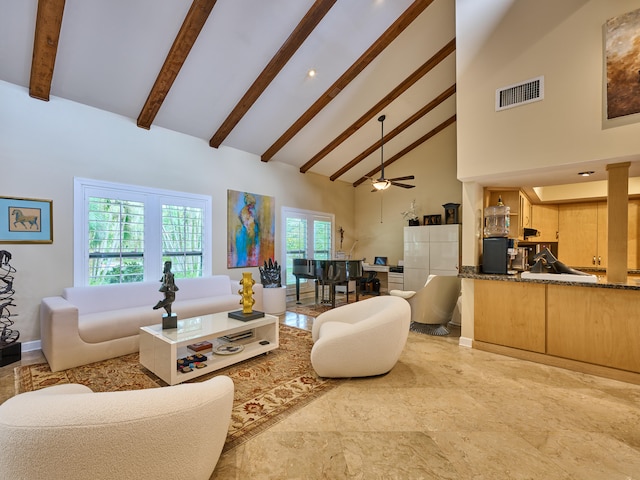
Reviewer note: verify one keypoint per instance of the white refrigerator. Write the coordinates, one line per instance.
(430, 249)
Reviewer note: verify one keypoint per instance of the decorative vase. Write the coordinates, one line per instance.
(246, 292)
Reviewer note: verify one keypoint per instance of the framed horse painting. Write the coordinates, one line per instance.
(26, 220)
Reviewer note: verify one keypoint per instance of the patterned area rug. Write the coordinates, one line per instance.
(267, 388)
(313, 310)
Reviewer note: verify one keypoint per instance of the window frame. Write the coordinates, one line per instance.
(310, 216)
(153, 199)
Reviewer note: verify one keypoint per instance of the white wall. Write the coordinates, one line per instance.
(563, 41)
(43, 145)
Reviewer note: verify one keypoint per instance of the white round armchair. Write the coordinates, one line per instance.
(70, 432)
(432, 306)
(360, 339)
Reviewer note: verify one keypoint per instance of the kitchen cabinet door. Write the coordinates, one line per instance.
(525, 214)
(510, 314)
(582, 237)
(633, 258)
(578, 234)
(545, 220)
(603, 236)
(519, 205)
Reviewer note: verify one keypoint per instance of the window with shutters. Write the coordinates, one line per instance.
(125, 233)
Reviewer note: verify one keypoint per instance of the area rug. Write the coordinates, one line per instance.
(313, 309)
(267, 388)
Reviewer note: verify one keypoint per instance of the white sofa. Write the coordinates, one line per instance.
(89, 324)
(69, 432)
(360, 339)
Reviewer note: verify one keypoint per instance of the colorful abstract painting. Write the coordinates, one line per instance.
(250, 229)
(623, 64)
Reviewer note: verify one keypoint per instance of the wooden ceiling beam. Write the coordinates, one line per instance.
(308, 23)
(409, 15)
(390, 97)
(45, 47)
(185, 39)
(406, 150)
(400, 128)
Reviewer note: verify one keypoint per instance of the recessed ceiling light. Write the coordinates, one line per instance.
(311, 73)
(586, 174)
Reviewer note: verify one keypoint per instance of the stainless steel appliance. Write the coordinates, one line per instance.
(519, 259)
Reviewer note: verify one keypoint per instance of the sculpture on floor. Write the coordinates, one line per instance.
(7, 335)
(546, 262)
(270, 275)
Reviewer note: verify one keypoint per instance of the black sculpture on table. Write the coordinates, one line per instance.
(169, 288)
(546, 262)
(270, 275)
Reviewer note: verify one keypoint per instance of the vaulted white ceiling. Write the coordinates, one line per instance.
(371, 57)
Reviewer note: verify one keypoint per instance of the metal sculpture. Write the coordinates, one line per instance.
(169, 288)
(7, 335)
(270, 275)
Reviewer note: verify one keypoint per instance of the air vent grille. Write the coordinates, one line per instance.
(520, 94)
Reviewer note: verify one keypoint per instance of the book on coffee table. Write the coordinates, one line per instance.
(201, 347)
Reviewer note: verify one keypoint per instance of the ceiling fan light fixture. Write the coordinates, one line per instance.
(381, 184)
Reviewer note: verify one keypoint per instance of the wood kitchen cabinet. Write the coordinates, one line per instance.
(578, 328)
(519, 205)
(633, 257)
(510, 314)
(582, 238)
(590, 329)
(544, 218)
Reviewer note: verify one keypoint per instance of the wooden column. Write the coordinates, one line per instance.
(617, 221)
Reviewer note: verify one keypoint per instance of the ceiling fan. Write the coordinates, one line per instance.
(384, 183)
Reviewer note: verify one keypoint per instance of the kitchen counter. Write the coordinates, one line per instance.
(474, 273)
(588, 327)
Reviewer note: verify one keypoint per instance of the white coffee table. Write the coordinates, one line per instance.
(160, 349)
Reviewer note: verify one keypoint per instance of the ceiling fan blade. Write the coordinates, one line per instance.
(408, 177)
(403, 185)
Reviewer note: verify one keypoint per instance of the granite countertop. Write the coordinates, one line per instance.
(475, 273)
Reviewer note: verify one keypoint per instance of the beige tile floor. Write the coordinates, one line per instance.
(446, 412)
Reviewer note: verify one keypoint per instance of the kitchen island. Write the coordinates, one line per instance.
(589, 327)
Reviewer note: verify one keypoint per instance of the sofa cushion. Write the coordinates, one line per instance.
(102, 298)
(113, 324)
(203, 287)
(203, 306)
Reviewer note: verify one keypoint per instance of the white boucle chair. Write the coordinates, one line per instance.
(432, 306)
(360, 339)
(68, 432)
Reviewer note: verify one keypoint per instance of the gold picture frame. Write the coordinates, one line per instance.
(26, 220)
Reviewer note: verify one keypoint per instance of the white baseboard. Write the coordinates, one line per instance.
(465, 342)
(31, 346)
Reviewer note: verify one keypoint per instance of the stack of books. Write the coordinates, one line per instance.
(201, 347)
(238, 336)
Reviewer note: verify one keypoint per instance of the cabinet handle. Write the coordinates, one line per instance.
(594, 260)
(599, 260)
